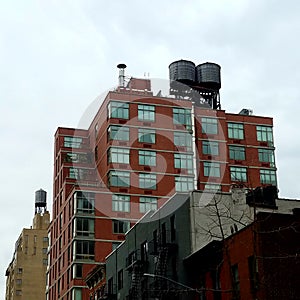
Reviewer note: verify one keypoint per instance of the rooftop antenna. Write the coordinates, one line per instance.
(121, 68)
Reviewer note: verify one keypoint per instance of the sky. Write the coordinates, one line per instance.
(56, 57)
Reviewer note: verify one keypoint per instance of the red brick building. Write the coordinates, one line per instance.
(139, 150)
(259, 262)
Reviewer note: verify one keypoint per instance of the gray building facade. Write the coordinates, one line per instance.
(149, 264)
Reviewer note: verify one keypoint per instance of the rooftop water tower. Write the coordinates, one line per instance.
(40, 201)
(201, 84)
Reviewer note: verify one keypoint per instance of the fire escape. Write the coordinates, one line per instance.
(136, 264)
(163, 248)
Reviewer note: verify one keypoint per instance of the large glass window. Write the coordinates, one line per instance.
(79, 174)
(146, 135)
(147, 158)
(210, 148)
(183, 161)
(147, 181)
(266, 155)
(148, 203)
(211, 169)
(182, 116)
(268, 177)
(118, 110)
(237, 152)
(84, 226)
(236, 131)
(72, 141)
(119, 178)
(84, 202)
(84, 249)
(183, 139)
(209, 125)
(146, 112)
(120, 226)
(238, 174)
(77, 157)
(118, 155)
(121, 203)
(118, 133)
(184, 184)
(264, 134)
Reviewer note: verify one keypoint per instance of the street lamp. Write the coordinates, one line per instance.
(173, 281)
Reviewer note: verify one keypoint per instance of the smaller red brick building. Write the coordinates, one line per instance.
(259, 262)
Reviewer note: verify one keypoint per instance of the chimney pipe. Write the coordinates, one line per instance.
(121, 68)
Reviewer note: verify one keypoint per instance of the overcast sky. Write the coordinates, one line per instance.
(58, 56)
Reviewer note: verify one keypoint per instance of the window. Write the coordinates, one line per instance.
(18, 281)
(110, 288)
(44, 250)
(84, 202)
(183, 161)
(84, 250)
(121, 203)
(184, 184)
(238, 174)
(72, 142)
(268, 177)
(264, 134)
(212, 187)
(210, 148)
(18, 292)
(77, 294)
(45, 261)
(144, 251)
(173, 228)
(146, 135)
(182, 116)
(118, 155)
(45, 239)
(148, 203)
(253, 272)
(77, 157)
(147, 181)
(183, 139)
(77, 271)
(237, 152)
(147, 158)
(120, 226)
(119, 178)
(84, 226)
(236, 131)
(79, 174)
(209, 125)
(212, 169)
(120, 279)
(118, 133)
(146, 112)
(235, 281)
(20, 270)
(266, 155)
(119, 110)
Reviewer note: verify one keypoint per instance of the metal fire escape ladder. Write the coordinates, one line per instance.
(136, 267)
(136, 282)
